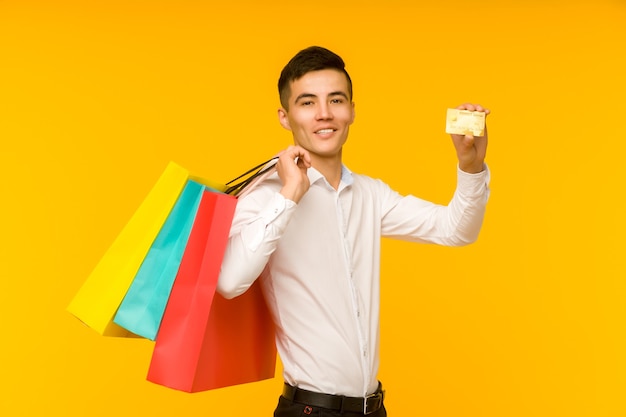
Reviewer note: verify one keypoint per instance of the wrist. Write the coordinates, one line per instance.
(291, 193)
(474, 168)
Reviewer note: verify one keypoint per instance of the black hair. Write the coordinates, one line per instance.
(313, 58)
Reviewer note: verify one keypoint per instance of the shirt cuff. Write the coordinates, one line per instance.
(474, 184)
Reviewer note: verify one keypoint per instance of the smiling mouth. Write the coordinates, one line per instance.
(325, 131)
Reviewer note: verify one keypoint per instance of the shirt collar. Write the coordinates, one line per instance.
(346, 177)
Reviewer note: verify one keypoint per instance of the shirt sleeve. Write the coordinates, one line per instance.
(259, 222)
(455, 224)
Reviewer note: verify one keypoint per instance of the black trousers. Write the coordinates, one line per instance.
(288, 408)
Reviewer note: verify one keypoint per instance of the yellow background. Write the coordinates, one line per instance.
(97, 96)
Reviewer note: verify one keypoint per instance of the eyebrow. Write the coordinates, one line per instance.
(310, 95)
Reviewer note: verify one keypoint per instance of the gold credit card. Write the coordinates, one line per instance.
(465, 122)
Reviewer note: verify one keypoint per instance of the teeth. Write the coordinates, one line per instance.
(324, 131)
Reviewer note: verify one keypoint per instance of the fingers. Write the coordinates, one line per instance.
(292, 168)
(473, 107)
(468, 139)
(298, 155)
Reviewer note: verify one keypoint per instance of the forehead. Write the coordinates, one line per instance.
(320, 83)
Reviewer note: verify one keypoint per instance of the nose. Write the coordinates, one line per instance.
(323, 111)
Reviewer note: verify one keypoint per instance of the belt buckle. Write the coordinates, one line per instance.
(377, 398)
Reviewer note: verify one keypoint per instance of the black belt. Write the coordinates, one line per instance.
(365, 405)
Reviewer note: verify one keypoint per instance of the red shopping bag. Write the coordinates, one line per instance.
(241, 346)
(205, 341)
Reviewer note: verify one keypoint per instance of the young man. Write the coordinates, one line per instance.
(311, 233)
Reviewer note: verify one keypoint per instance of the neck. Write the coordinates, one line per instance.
(330, 168)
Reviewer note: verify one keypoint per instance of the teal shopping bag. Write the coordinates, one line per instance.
(143, 306)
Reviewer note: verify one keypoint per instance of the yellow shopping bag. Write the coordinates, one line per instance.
(97, 300)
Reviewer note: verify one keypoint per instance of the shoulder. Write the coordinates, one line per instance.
(368, 188)
(366, 182)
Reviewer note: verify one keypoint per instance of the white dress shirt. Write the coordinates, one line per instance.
(319, 266)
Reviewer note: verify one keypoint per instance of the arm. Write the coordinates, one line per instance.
(460, 221)
(259, 222)
(456, 224)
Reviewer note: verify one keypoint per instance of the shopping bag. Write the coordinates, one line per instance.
(204, 341)
(242, 345)
(142, 308)
(99, 297)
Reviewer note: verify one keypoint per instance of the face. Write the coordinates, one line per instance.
(320, 113)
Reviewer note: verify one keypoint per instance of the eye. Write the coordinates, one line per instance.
(306, 103)
(336, 101)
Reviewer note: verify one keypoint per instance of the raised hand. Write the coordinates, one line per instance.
(292, 167)
(471, 150)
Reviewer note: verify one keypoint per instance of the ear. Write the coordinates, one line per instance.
(283, 118)
(353, 113)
